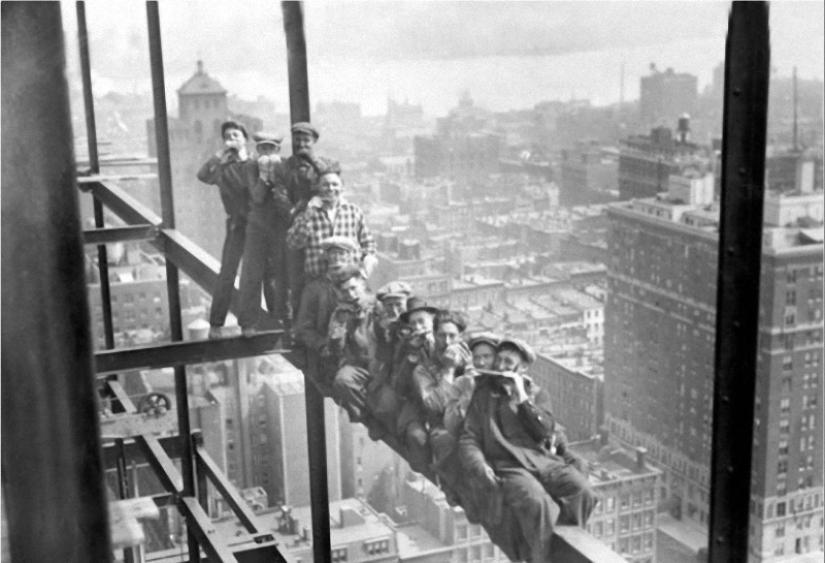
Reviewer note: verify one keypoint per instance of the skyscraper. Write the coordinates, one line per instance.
(659, 353)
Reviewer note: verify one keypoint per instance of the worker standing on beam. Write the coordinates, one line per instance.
(264, 258)
(298, 177)
(234, 173)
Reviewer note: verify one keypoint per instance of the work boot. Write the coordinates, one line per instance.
(215, 332)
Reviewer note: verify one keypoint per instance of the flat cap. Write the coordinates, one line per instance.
(484, 338)
(416, 304)
(523, 348)
(394, 289)
(339, 242)
(305, 127)
(262, 138)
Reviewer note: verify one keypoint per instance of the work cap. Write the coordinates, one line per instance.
(484, 338)
(394, 289)
(416, 304)
(268, 139)
(339, 243)
(305, 127)
(523, 348)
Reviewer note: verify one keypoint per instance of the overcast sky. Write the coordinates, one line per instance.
(243, 40)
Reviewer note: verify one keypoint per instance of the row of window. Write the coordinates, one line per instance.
(635, 544)
(797, 273)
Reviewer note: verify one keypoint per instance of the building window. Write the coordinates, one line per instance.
(461, 532)
(780, 509)
(339, 555)
(780, 531)
(624, 523)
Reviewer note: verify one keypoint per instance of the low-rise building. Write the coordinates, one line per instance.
(627, 486)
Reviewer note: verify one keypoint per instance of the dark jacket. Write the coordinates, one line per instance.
(234, 179)
(500, 434)
(296, 177)
(318, 301)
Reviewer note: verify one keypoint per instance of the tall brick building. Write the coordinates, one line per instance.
(659, 352)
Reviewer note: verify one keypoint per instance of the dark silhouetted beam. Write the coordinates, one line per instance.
(111, 235)
(205, 531)
(161, 463)
(293, 13)
(744, 130)
(239, 506)
(54, 496)
(189, 352)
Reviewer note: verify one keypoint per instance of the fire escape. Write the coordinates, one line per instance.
(53, 456)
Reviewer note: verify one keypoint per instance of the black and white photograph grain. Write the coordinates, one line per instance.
(412, 281)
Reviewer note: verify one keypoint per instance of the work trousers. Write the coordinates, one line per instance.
(297, 278)
(412, 431)
(559, 493)
(233, 247)
(264, 267)
(349, 389)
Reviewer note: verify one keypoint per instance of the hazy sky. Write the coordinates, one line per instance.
(242, 43)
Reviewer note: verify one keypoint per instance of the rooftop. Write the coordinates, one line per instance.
(201, 83)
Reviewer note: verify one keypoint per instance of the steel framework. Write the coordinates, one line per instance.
(53, 458)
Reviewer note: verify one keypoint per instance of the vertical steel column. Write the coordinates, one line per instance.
(747, 72)
(52, 469)
(167, 204)
(94, 168)
(316, 426)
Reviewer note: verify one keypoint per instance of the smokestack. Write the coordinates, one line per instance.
(640, 458)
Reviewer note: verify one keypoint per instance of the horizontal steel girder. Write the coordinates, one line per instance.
(187, 353)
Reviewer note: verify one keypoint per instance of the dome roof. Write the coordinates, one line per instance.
(201, 83)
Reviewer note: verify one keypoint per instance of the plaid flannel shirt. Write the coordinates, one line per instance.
(313, 225)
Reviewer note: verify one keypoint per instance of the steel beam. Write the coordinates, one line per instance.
(135, 453)
(53, 489)
(747, 73)
(195, 262)
(189, 352)
(109, 235)
(94, 168)
(293, 14)
(120, 396)
(205, 532)
(161, 463)
(122, 204)
(239, 506)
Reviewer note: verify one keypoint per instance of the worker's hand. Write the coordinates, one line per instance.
(369, 263)
(517, 381)
(457, 355)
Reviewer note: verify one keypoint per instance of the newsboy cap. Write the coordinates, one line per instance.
(519, 345)
(416, 304)
(268, 139)
(305, 127)
(340, 243)
(488, 338)
(394, 289)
